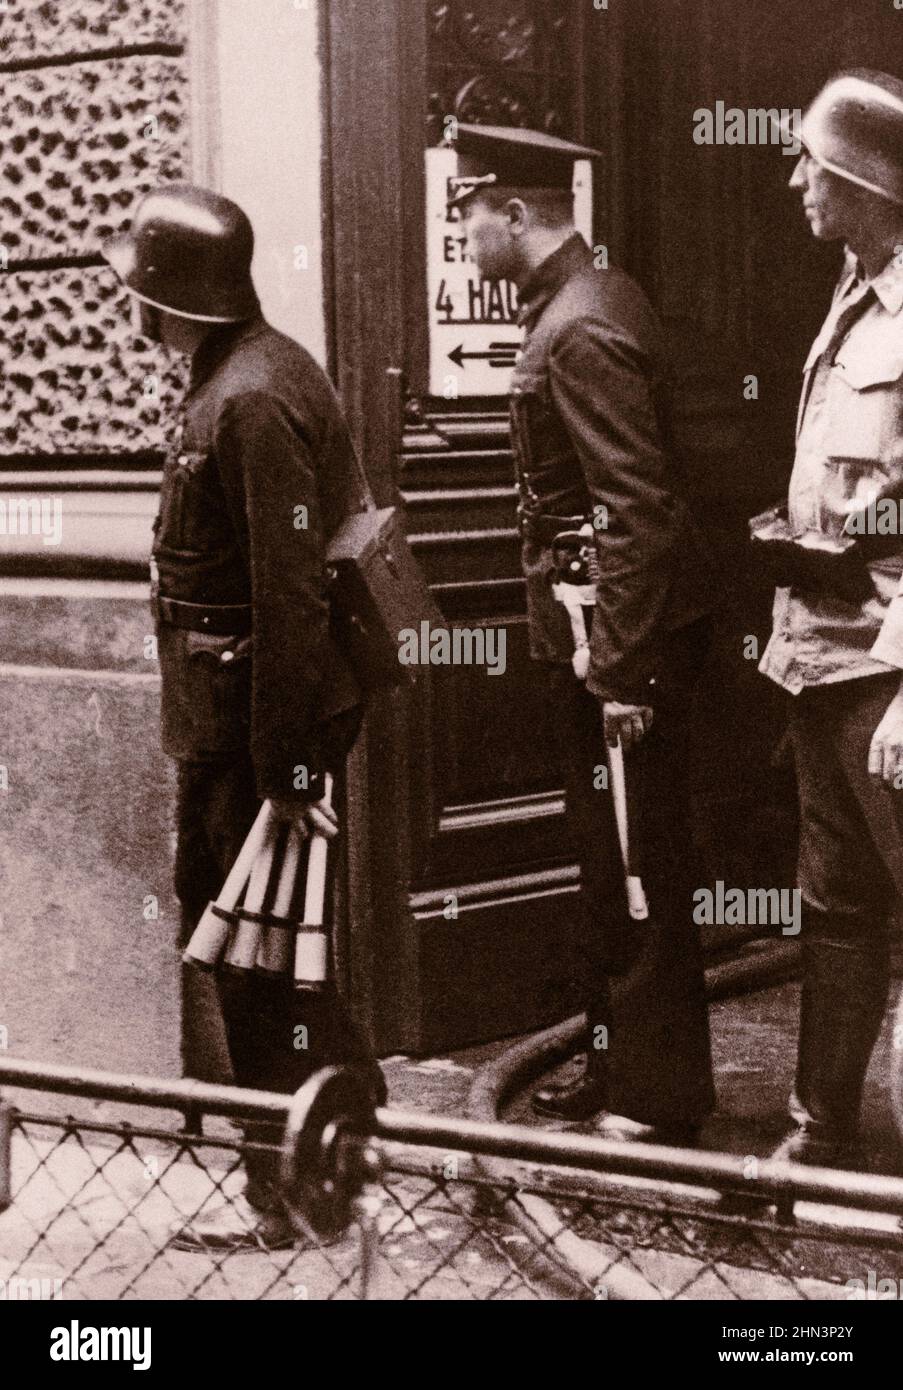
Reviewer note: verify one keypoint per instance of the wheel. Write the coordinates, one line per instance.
(322, 1168)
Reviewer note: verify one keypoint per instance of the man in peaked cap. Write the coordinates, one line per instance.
(839, 653)
(256, 701)
(590, 425)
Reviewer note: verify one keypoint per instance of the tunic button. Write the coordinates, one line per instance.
(227, 656)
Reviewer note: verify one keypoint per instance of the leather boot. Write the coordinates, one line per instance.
(237, 1225)
(846, 975)
(620, 1129)
(582, 1099)
(588, 1095)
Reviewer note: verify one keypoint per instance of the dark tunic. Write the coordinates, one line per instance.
(591, 429)
(260, 475)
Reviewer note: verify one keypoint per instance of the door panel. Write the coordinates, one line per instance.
(460, 886)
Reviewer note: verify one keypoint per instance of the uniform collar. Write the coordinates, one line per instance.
(217, 346)
(543, 283)
(887, 284)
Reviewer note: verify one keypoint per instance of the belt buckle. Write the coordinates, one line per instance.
(574, 556)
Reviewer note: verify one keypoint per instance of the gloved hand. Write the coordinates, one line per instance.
(627, 723)
(308, 817)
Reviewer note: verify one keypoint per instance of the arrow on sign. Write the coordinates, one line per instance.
(499, 355)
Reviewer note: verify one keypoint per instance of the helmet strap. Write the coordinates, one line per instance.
(147, 320)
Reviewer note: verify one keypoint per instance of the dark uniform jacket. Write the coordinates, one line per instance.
(261, 473)
(590, 419)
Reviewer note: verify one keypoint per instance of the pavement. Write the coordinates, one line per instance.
(754, 1054)
(90, 1215)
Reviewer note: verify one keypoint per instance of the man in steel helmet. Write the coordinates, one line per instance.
(256, 699)
(839, 653)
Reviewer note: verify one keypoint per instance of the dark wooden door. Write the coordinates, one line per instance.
(460, 883)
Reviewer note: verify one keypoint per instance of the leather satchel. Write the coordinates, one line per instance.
(818, 564)
(377, 590)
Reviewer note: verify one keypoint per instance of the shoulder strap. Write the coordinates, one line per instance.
(366, 492)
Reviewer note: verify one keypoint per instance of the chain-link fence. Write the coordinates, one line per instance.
(418, 1207)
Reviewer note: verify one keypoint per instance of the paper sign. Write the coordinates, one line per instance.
(474, 337)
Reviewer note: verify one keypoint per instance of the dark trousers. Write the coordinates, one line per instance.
(851, 831)
(642, 982)
(851, 878)
(263, 1017)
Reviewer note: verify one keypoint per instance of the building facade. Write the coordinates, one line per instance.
(456, 881)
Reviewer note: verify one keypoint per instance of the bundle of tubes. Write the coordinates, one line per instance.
(254, 924)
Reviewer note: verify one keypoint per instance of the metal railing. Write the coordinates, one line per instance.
(417, 1206)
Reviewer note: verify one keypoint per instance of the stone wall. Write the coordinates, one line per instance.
(93, 111)
(92, 114)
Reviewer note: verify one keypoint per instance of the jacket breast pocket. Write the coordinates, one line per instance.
(866, 403)
(189, 506)
(206, 693)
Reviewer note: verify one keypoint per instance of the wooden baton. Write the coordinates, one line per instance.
(637, 905)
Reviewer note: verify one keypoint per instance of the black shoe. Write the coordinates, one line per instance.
(842, 1003)
(577, 1100)
(820, 1151)
(234, 1226)
(623, 1130)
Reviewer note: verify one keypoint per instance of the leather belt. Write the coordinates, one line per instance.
(544, 529)
(219, 619)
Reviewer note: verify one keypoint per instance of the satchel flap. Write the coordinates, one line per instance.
(360, 534)
(378, 590)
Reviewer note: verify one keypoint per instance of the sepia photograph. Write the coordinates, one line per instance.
(451, 669)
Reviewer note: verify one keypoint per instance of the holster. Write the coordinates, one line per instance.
(819, 564)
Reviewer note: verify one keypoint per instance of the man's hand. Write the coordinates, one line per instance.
(308, 817)
(629, 723)
(886, 750)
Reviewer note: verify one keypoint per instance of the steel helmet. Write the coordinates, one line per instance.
(855, 128)
(188, 251)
